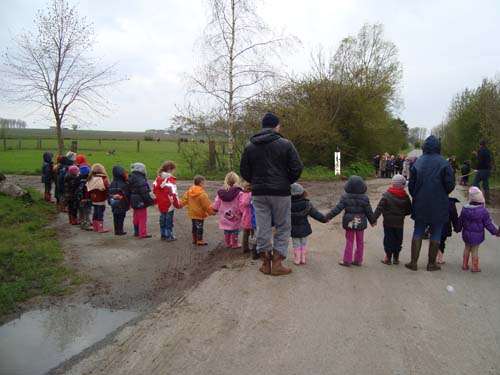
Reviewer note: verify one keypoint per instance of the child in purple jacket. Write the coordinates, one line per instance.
(473, 219)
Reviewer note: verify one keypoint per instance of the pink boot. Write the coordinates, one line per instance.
(303, 251)
(234, 241)
(297, 252)
(95, 226)
(100, 226)
(228, 240)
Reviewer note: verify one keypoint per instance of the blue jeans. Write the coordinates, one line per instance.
(482, 175)
(435, 230)
(167, 220)
(98, 212)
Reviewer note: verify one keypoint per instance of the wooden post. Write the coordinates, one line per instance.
(99, 141)
(4, 144)
(39, 143)
(138, 146)
(19, 143)
(74, 146)
(211, 155)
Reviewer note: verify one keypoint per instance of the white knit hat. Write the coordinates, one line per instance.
(476, 195)
(296, 189)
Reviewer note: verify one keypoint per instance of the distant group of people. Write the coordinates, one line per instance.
(271, 207)
(387, 165)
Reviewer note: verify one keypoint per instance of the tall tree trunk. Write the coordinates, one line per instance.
(230, 109)
(60, 139)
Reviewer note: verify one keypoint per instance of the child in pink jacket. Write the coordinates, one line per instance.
(227, 202)
(247, 223)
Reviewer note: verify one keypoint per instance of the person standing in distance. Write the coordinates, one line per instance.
(431, 180)
(271, 164)
(484, 167)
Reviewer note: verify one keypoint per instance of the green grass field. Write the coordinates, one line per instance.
(31, 259)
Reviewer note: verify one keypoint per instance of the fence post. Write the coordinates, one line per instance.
(99, 141)
(74, 146)
(211, 155)
(19, 143)
(39, 143)
(4, 144)
(138, 146)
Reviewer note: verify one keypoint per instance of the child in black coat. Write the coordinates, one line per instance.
(47, 175)
(119, 198)
(302, 208)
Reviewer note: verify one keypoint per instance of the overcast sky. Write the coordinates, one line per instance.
(444, 47)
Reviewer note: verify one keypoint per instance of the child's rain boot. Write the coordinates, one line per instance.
(195, 238)
(95, 226)
(475, 265)
(227, 236)
(296, 252)
(465, 263)
(136, 230)
(163, 233)
(234, 241)
(200, 241)
(100, 226)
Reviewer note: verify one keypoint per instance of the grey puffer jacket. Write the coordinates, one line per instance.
(356, 204)
(270, 163)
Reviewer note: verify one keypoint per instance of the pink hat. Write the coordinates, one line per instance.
(476, 195)
(74, 170)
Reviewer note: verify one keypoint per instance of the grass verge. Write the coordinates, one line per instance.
(31, 259)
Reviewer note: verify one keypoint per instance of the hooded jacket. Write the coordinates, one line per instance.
(227, 202)
(47, 167)
(431, 180)
(270, 163)
(199, 203)
(394, 205)
(472, 222)
(246, 210)
(452, 210)
(118, 190)
(302, 208)
(356, 204)
(140, 196)
(165, 189)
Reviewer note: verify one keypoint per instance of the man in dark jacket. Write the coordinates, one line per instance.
(484, 167)
(271, 164)
(431, 180)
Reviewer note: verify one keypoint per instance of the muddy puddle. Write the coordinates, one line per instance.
(42, 339)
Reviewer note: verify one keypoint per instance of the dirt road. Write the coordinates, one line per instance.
(321, 319)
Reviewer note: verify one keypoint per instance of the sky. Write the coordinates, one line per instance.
(444, 47)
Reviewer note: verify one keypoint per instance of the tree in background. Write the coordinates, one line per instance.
(417, 135)
(239, 50)
(53, 67)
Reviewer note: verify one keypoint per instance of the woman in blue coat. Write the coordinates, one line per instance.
(431, 180)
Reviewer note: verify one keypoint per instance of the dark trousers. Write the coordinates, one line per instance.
(73, 207)
(98, 214)
(167, 220)
(197, 227)
(48, 187)
(393, 239)
(118, 219)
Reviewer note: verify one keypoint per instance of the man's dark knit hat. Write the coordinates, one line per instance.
(270, 120)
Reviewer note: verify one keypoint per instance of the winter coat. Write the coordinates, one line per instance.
(165, 190)
(81, 193)
(70, 186)
(227, 202)
(270, 163)
(118, 191)
(431, 180)
(452, 209)
(356, 204)
(472, 222)
(199, 203)
(140, 196)
(383, 164)
(97, 187)
(394, 205)
(465, 169)
(246, 210)
(302, 208)
(61, 169)
(47, 174)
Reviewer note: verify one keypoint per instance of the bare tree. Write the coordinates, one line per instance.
(53, 68)
(239, 50)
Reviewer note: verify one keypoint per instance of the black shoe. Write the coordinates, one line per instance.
(342, 263)
(356, 264)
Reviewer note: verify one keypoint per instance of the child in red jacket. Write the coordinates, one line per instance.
(165, 189)
(97, 186)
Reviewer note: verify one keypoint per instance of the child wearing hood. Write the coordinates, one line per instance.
(301, 209)
(394, 205)
(97, 186)
(473, 220)
(358, 212)
(119, 198)
(165, 190)
(141, 198)
(47, 175)
(227, 202)
(83, 198)
(71, 182)
(199, 208)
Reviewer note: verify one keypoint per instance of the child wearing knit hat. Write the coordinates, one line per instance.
(473, 219)
(394, 205)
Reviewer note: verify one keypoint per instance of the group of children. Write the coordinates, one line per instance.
(81, 188)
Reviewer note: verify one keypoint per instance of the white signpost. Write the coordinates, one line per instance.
(337, 163)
